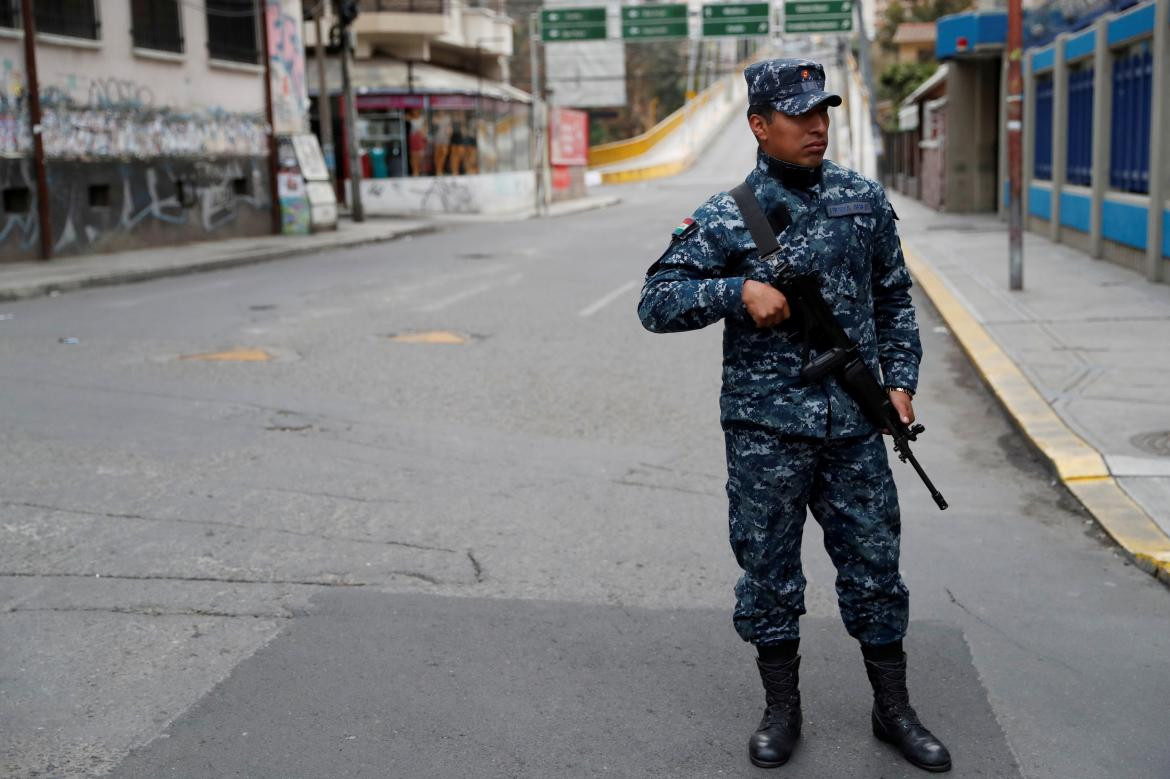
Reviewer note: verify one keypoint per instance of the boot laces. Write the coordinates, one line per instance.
(894, 697)
(781, 689)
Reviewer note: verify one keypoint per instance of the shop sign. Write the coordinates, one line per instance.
(388, 102)
(453, 102)
(568, 137)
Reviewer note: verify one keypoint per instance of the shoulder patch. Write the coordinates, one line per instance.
(685, 228)
(849, 209)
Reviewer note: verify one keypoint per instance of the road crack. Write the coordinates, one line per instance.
(221, 523)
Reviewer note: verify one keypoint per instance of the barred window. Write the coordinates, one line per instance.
(232, 33)
(75, 18)
(156, 24)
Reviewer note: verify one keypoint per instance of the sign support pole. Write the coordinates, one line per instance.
(1015, 126)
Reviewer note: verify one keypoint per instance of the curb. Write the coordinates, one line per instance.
(1079, 466)
(98, 278)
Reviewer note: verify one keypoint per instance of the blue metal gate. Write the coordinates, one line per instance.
(1129, 151)
(1043, 157)
(1080, 126)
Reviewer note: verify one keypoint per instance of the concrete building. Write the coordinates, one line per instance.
(154, 122)
(1096, 155)
(439, 128)
(914, 42)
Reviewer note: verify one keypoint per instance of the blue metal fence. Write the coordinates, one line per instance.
(1043, 156)
(1079, 168)
(1129, 155)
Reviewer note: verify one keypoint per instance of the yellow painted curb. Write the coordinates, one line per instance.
(1081, 468)
(619, 151)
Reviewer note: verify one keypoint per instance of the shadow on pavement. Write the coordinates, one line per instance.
(385, 685)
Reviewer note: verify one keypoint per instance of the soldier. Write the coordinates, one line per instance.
(792, 445)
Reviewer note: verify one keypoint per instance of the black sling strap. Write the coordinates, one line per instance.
(755, 220)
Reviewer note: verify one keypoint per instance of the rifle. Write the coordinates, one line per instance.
(838, 356)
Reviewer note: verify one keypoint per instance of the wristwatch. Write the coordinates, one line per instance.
(901, 389)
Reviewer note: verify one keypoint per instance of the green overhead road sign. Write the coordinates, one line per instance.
(818, 16)
(572, 24)
(740, 20)
(640, 22)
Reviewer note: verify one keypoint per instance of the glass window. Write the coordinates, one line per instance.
(522, 135)
(155, 24)
(232, 33)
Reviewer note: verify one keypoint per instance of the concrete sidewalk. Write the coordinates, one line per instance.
(20, 280)
(1080, 359)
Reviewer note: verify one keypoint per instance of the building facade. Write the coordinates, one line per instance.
(439, 128)
(1096, 153)
(154, 124)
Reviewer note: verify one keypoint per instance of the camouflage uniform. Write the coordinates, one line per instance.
(790, 444)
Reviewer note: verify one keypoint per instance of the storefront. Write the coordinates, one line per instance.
(421, 124)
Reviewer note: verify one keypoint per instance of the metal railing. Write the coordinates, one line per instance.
(1080, 127)
(1042, 168)
(404, 6)
(1129, 150)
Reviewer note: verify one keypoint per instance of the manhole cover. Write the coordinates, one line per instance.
(1157, 442)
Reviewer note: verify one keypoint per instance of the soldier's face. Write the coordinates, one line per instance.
(801, 140)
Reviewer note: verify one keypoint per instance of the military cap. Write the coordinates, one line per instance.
(791, 86)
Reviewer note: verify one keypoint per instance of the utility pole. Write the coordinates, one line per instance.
(266, 9)
(537, 136)
(34, 119)
(1015, 126)
(324, 101)
(348, 10)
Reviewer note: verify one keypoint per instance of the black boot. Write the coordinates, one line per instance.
(895, 721)
(772, 743)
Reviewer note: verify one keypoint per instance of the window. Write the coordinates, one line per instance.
(1042, 163)
(155, 24)
(99, 195)
(1129, 149)
(9, 15)
(1079, 168)
(75, 18)
(17, 200)
(232, 33)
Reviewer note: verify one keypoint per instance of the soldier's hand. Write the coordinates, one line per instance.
(903, 405)
(766, 305)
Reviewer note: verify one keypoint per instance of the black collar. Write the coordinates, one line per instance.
(791, 175)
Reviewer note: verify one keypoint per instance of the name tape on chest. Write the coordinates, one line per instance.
(849, 209)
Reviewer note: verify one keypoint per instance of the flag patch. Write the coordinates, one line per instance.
(685, 228)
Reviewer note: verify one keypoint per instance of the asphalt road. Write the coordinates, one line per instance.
(503, 557)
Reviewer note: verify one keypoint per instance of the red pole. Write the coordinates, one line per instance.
(1015, 127)
(34, 118)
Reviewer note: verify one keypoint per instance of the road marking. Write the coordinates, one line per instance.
(459, 297)
(242, 354)
(430, 337)
(608, 298)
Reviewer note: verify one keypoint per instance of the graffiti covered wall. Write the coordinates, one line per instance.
(120, 205)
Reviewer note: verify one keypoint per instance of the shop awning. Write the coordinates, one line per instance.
(421, 78)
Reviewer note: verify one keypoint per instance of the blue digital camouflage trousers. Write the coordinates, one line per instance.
(847, 485)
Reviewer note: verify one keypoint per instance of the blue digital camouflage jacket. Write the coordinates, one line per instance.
(844, 232)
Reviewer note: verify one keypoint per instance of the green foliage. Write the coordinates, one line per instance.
(899, 79)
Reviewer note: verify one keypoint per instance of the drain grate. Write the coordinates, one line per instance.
(1157, 442)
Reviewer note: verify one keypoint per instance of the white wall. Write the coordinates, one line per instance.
(224, 102)
(484, 193)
